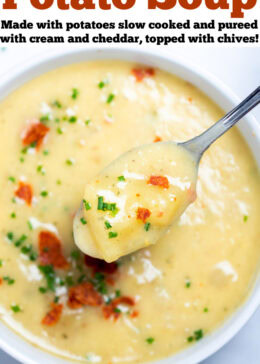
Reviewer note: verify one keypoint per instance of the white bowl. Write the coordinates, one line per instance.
(24, 351)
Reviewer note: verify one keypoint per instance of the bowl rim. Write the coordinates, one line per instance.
(204, 80)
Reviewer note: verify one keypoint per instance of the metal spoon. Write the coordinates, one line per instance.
(196, 147)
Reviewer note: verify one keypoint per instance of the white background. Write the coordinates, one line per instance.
(239, 68)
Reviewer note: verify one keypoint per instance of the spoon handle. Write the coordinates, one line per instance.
(198, 145)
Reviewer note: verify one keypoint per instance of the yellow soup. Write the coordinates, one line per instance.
(56, 134)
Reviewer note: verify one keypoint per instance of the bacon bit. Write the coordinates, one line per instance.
(110, 309)
(160, 181)
(84, 294)
(138, 195)
(134, 314)
(50, 250)
(157, 139)
(99, 265)
(25, 192)
(189, 99)
(143, 214)
(141, 73)
(1, 281)
(35, 134)
(53, 316)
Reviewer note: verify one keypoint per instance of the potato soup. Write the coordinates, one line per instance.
(57, 133)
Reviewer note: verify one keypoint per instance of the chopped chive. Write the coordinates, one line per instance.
(44, 193)
(69, 162)
(74, 93)
(82, 278)
(49, 274)
(26, 249)
(45, 152)
(75, 254)
(12, 179)
(198, 334)
(102, 84)
(29, 225)
(39, 168)
(59, 131)
(42, 289)
(150, 340)
(20, 241)
(245, 218)
(83, 221)
(187, 283)
(13, 215)
(58, 182)
(108, 225)
(121, 178)
(100, 202)
(57, 120)
(118, 293)
(56, 299)
(33, 256)
(69, 281)
(1, 263)
(13, 200)
(206, 309)
(110, 98)
(87, 205)
(117, 310)
(15, 308)
(147, 226)
(72, 119)
(57, 104)
(87, 122)
(190, 339)
(112, 234)
(21, 159)
(10, 236)
(9, 280)
(45, 118)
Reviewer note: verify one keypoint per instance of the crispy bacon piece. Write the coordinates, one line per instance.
(141, 73)
(35, 134)
(53, 316)
(157, 139)
(84, 294)
(110, 310)
(134, 314)
(98, 265)
(143, 214)
(50, 250)
(24, 192)
(1, 281)
(160, 181)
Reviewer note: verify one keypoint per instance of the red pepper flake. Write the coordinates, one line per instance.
(35, 134)
(84, 294)
(143, 214)
(110, 310)
(99, 265)
(50, 250)
(141, 73)
(157, 139)
(53, 316)
(25, 192)
(160, 181)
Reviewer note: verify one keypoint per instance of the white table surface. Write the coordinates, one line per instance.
(239, 68)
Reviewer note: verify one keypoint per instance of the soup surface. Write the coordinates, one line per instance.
(56, 133)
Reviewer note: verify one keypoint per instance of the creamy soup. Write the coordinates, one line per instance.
(132, 202)
(56, 134)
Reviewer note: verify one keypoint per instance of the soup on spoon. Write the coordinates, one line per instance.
(131, 203)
